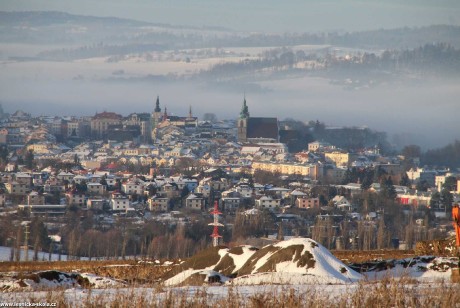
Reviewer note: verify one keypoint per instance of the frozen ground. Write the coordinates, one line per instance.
(5, 254)
(76, 297)
(298, 266)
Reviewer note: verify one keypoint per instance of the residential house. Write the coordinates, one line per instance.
(244, 190)
(340, 158)
(415, 199)
(342, 203)
(96, 189)
(23, 178)
(204, 190)
(133, 187)
(422, 175)
(34, 198)
(194, 202)
(119, 202)
(158, 204)
(15, 188)
(318, 146)
(65, 176)
(75, 198)
(307, 203)
(170, 190)
(95, 204)
(268, 202)
(230, 204)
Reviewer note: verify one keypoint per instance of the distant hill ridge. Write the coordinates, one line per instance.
(397, 38)
(48, 18)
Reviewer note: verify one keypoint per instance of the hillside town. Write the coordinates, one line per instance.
(111, 186)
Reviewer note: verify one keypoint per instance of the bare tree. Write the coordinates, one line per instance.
(381, 234)
(18, 244)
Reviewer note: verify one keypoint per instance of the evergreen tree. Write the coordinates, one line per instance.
(3, 155)
(435, 200)
(450, 183)
(76, 160)
(29, 159)
(388, 190)
(447, 199)
(367, 181)
(405, 181)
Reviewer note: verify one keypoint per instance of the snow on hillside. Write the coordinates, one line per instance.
(295, 261)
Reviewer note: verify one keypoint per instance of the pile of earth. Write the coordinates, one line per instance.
(54, 279)
(421, 267)
(294, 261)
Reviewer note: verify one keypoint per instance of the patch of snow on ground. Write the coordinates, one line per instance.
(181, 277)
(284, 278)
(101, 282)
(424, 268)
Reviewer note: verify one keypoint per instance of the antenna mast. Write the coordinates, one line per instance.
(215, 233)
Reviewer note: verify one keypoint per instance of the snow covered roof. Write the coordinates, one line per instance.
(297, 193)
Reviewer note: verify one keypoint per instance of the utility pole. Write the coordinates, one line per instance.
(26, 242)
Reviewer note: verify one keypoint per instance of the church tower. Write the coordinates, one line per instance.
(156, 117)
(243, 122)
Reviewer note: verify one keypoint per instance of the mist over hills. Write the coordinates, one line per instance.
(403, 81)
(17, 27)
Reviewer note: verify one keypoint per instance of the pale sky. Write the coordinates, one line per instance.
(263, 15)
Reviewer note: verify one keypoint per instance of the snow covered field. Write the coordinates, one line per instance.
(298, 270)
(392, 294)
(5, 255)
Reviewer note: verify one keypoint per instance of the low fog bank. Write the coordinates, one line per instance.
(425, 114)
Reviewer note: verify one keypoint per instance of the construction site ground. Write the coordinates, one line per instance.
(145, 271)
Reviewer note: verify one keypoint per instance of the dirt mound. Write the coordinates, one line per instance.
(54, 279)
(210, 265)
(204, 259)
(292, 253)
(423, 267)
(298, 260)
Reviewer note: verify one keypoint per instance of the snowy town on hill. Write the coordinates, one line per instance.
(145, 184)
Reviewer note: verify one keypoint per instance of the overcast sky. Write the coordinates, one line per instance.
(259, 15)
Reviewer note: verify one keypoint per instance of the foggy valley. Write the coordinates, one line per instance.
(57, 63)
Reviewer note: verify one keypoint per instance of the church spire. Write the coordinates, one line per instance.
(165, 115)
(190, 112)
(157, 105)
(244, 114)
